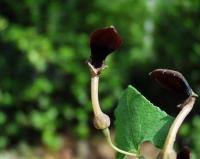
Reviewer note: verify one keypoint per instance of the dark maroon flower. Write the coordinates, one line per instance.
(172, 80)
(184, 153)
(102, 42)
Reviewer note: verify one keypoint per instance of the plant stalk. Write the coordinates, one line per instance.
(106, 132)
(94, 95)
(98, 112)
(169, 143)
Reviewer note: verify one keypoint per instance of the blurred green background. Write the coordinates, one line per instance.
(44, 79)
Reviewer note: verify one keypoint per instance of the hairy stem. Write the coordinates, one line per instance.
(169, 143)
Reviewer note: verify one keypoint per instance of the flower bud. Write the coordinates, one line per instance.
(102, 42)
(172, 80)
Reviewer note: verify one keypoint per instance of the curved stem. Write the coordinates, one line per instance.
(97, 109)
(106, 132)
(169, 143)
(94, 95)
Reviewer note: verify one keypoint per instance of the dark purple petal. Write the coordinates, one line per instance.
(102, 42)
(184, 153)
(172, 80)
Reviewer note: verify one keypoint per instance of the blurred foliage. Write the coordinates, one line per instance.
(177, 36)
(44, 83)
(44, 80)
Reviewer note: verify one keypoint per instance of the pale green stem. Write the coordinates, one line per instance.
(94, 95)
(97, 110)
(106, 132)
(169, 143)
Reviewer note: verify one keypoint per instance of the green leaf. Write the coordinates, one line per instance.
(138, 120)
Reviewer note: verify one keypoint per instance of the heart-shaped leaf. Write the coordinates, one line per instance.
(138, 120)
